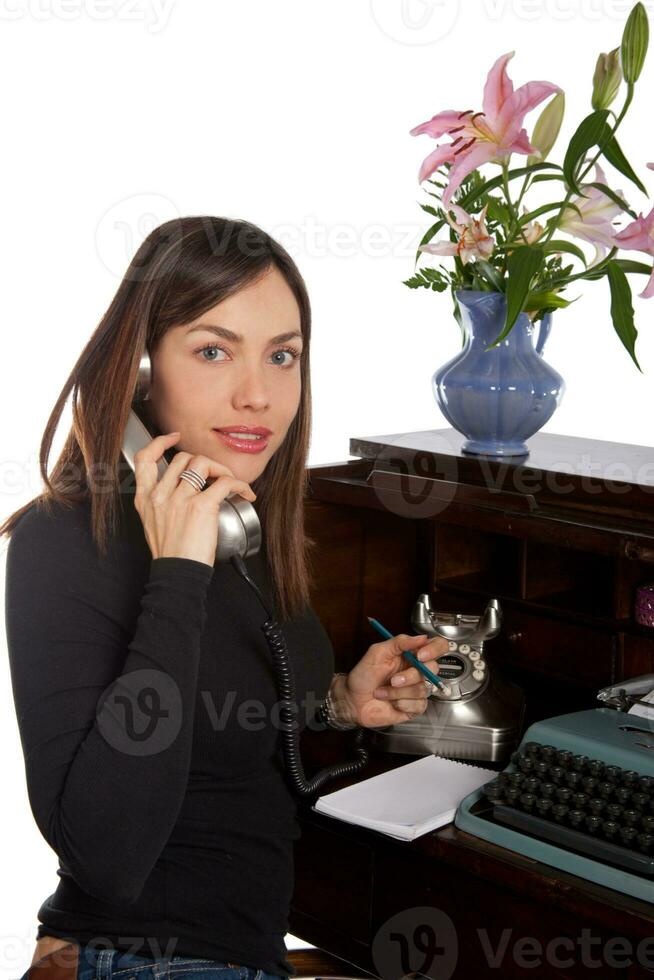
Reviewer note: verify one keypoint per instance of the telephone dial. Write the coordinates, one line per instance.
(239, 537)
(476, 714)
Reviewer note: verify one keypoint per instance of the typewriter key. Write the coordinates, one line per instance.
(593, 823)
(527, 801)
(614, 811)
(610, 828)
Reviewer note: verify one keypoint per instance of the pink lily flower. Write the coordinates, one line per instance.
(483, 137)
(639, 235)
(532, 230)
(474, 240)
(597, 213)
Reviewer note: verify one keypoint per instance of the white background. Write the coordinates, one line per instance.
(294, 115)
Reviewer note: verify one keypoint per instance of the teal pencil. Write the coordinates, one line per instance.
(406, 653)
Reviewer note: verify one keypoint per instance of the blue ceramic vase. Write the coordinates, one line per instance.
(497, 398)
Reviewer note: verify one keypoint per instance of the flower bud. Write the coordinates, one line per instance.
(547, 128)
(635, 40)
(607, 79)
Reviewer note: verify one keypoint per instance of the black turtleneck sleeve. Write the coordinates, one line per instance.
(105, 713)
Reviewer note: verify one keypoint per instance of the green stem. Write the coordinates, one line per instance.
(514, 214)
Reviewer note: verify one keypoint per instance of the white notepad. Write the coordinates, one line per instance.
(407, 801)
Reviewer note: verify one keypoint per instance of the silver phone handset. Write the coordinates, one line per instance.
(239, 529)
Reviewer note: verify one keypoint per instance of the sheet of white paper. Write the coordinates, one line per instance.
(644, 710)
(407, 796)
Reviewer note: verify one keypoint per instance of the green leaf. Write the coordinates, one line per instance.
(616, 157)
(629, 265)
(540, 300)
(540, 177)
(536, 213)
(635, 39)
(522, 265)
(491, 274)
(622, 312)
(457, 316)
(432, 274)
(588, 133)
(559, 245)
(620, 201)
(415, 282)
(429, 209)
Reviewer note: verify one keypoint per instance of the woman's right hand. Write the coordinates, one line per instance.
(179, 521)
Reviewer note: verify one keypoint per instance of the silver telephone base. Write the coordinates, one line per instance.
(475, 729)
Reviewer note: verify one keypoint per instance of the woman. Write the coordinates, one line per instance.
(133, 652)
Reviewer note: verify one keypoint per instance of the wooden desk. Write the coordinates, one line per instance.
(561, 537)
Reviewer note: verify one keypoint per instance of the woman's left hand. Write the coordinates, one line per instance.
(383, 688)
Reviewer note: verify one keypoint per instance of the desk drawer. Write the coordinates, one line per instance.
(333, 881)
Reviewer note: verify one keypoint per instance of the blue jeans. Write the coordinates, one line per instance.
(107, 964)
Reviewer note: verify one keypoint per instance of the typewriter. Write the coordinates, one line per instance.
(578, 793)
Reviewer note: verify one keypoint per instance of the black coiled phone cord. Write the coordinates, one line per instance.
(285, 681)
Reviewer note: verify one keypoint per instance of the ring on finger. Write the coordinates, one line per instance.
(194, 478)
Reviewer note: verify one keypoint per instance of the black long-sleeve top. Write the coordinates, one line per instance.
(145, 699)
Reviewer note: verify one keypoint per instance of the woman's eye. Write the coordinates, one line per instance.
(291, 351)
(209, 347)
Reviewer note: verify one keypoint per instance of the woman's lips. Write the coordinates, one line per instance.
(243, 445)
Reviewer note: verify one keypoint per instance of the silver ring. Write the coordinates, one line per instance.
(194, 479)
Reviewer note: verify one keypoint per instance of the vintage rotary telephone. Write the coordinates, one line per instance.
(239, 537)
(476, 715)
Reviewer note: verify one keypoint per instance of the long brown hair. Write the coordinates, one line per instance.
(183, 268)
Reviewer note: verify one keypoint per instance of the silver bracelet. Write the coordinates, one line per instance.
(329, 712)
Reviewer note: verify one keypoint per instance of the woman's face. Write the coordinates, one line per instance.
(238, 374)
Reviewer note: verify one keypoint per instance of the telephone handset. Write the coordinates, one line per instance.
(239, 530)
(239, 537)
